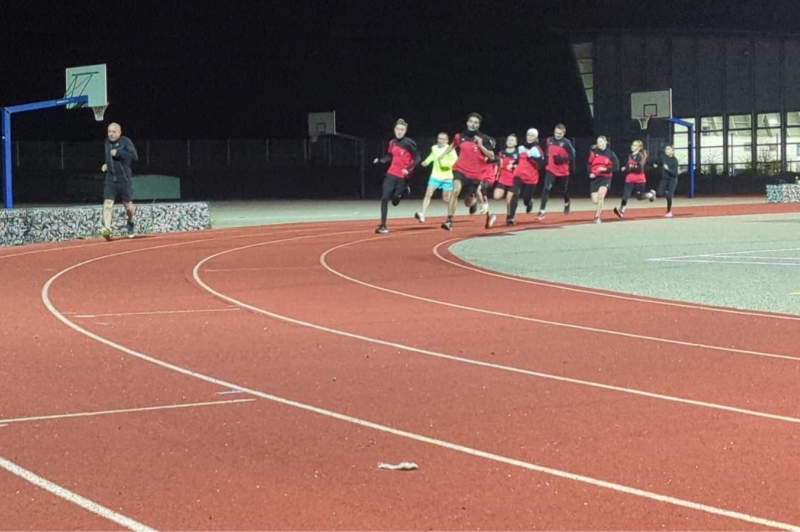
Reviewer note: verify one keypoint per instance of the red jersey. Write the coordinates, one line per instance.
(506, 158)
(404, 156)
(529, 159)
(471, 160)
(635, 173)
(560, 153)
(603, 159)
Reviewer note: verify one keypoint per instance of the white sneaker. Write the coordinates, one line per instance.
(490, 220)
(483, 208)
(419, 216)
(668, 215)
(652, 196)
(597, 220)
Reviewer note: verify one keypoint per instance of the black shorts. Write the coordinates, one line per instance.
(468, 184)
(598, 182)
(112, 190)
(514, 189)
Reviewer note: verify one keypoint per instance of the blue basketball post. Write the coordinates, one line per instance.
(8, 197)
(690, 127)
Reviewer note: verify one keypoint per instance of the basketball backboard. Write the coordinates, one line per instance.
(655, 104)
(321, 124)
(89, 81)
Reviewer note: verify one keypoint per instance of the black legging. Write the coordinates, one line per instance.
(525, 190)
(549, 180)
(393, 189)
(666, 189)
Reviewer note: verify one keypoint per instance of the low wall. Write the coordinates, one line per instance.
(783, 193)
(56, 224)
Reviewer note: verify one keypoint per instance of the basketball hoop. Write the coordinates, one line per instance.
(314, 137)
(643, 120)
(99, 112)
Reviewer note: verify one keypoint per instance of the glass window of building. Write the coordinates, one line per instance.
(740, 143)
(712, 145)
(768, 142)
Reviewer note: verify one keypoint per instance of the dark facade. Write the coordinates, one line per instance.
(741, 90)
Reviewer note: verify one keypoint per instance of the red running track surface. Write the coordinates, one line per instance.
(254, 379)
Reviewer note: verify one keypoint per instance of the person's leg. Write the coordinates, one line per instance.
(626, 194)
(386, 196)
(125, 195)
(670, 193)
(447, 190)
(512, 200)
(526, 191)
(549, 180)
(426, 201)
(451, 205)
(565, 183)
(599, 198)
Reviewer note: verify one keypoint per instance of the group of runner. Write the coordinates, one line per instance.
(472, 163)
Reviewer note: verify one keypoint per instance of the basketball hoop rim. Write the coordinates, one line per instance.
(99, 111)
(644, 120)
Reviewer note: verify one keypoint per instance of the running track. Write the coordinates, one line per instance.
(254, 379)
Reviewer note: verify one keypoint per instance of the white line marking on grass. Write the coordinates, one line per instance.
(607, 293)
(121, 411)
(728, 253)
(73, 497)
(390, 430)
(721, 261)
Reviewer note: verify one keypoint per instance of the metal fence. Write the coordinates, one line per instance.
(189, 154)
(251, 168)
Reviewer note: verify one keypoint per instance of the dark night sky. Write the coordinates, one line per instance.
(248, 69)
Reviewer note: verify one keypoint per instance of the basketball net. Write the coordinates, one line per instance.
(99, 112)
(314, 137)
(643, 120)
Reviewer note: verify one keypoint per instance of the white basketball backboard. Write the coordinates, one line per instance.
(652, 104)
(87, 80)
(321, 124)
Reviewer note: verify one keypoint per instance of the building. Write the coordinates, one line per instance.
(741, 91)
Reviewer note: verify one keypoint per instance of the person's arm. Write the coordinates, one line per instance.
(571, 151)
(429, 159)
(672, 167)
(126, 152)
(615, 161)
(386, 158)
(450, 148)
(412, 148)
(488, 153)
(637, 164)
(449, 160)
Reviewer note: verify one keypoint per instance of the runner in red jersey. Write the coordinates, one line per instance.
(404, 157)
(531, 167)
(474, 148)
(635, 178)
(509, 182)
(560, 156)
(602, 164)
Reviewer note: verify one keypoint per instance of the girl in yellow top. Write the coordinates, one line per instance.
(441, 173)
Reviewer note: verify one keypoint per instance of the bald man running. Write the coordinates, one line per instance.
(120, 153)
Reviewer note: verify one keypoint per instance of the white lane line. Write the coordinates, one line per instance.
(154, 312)
(390, 430)
(608, 293)
(73, 497)
(3, 422)
(611, 332)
